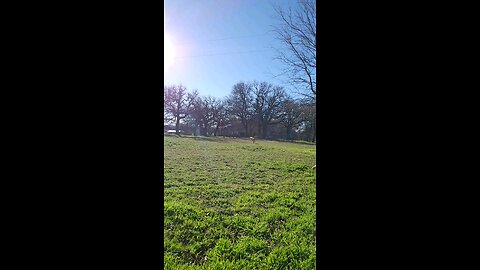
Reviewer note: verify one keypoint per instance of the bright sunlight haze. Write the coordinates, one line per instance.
(169, 53)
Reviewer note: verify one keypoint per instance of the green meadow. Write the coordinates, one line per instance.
(232, 204)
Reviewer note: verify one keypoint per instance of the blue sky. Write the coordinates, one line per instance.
(218, 43)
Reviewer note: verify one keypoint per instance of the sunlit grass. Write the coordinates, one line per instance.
(231, 204)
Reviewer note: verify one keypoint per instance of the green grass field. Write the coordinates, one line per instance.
(232, 204)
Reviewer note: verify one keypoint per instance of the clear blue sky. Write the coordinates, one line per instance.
(218, 43)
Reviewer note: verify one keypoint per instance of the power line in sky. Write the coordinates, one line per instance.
(226, 53)
(226, 38)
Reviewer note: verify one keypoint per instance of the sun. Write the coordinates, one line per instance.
(169, 52)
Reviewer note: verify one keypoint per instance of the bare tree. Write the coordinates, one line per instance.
(310, 119)
(196, 116)
(220, 116)
(178, 103)
(210, 109)
(292, 115)
(267, 102)
(202, 114)
(249, 106)
(297, 34)
(240, 104)
(167, 116)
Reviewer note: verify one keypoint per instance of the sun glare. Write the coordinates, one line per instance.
(169, 52)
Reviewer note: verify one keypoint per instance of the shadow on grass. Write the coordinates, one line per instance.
(221, 139)
(173, 135)
(297, 142)
(209, 139)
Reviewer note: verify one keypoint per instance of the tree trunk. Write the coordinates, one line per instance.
(264, 130)
(197, 130)
(260, 128)
(177, 126)
(314, 131)
(289, 132)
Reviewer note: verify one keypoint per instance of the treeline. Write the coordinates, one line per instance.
(251, 109)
